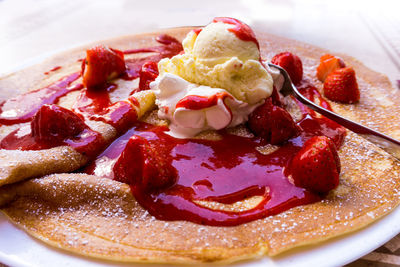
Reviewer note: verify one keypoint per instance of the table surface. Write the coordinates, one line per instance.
(367, 30)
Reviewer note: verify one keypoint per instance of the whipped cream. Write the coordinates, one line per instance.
(276, 75)
(193, 108)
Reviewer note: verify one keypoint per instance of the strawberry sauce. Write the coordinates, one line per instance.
(195, 102)
(23, 107)
(88, 142)
(314, 125)
(91, 104)
(241, 30)
(52, 70)
(169, 47)
(96, 105)
(223, 171)
(55, 126)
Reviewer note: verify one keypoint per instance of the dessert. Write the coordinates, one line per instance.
(184, 186)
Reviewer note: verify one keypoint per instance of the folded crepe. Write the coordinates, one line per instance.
(99, 217)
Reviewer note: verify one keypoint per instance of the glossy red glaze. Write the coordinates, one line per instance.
(111, 153)
(196, 102)
(96, 105)
(197, 31)
(147, 74)
(314, 125)
(23, 107)
(94, 101)
(53, 69)
(92, 104)
(226, 171)
(55, 126)
(88, 142)
(241, 30)
(169, 47)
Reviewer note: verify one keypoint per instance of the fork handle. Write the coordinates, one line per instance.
(390, 145)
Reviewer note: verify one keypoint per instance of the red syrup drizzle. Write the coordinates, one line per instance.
(55, 126)
(53, 69)
(224, 171)
(315, 125)
(197, 31)
(26, 106)
(169, 47)
(88, 142)
(241, 30)
(195, 102)
(23, 107)
(96, 105)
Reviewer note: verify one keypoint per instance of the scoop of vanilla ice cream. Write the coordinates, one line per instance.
(217, 58)
(215, 44)
(217, 68)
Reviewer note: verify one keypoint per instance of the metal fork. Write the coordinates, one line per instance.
(390, 145)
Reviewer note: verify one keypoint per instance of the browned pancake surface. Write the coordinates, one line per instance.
(99, 217)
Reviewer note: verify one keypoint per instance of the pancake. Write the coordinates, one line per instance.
(99, 217)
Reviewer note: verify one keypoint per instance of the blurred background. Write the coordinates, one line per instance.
(367, 30)
(31, 30)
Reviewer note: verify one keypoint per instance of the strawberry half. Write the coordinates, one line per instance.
(341, 86)
(291, 63)
(273, 123)
(147, 74)
(327, 65)
(140, 164)
(316, 167)
(54, 124)
(101, 65)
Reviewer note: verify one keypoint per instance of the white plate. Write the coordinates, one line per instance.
(19, 249)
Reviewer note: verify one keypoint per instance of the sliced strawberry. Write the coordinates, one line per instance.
(141, 164)
(273, 123)
(276, 98)
(102, 64)
(147, 74)
(54, 124)
(121, 115)
(327, 65)
(316, 167)
(341, 86)
(291, 63)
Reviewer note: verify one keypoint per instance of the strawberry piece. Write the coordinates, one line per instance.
(327, 65)
(141, 164)
(54, 124)
(291, 63)
(316, 167)
(272, 122)
(276, 98)
(341, 86)
(147, 74)
(101, 65)
(121, 115)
